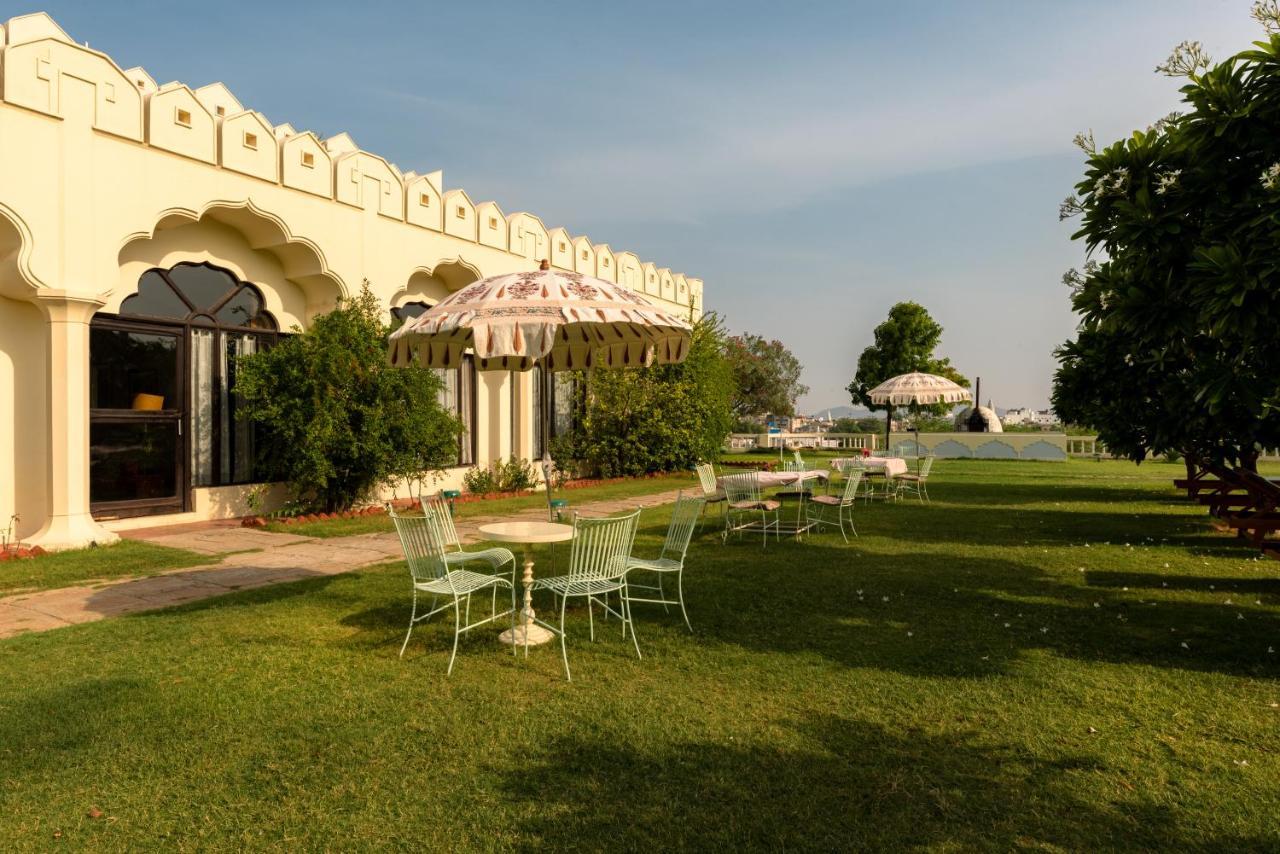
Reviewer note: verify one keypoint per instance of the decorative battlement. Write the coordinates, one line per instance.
(42, 69)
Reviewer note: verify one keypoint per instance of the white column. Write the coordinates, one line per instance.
(68, 523)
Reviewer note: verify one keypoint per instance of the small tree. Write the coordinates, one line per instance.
(905, 342)
(664, 418)
(766, 377)
(338, 420)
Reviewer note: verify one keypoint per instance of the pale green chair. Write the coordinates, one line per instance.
(917, 482)
(424, 551)
(821, 505)
(556, 507)
(495, 558)
(598, 556)
(745, 508)
(684, 518)
(711, 491)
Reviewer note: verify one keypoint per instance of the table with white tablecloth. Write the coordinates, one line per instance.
(890, 466)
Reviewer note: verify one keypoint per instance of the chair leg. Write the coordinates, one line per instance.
(680, 593)
(457, 631)
(514, 650)
(662, 594)
(413, 616)
(626, 615)
(591, 620)
(564, 652)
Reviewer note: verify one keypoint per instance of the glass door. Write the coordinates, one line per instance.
(135, 420)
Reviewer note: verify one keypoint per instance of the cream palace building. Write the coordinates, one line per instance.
(149, 234)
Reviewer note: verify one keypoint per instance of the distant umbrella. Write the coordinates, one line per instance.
(914, 389)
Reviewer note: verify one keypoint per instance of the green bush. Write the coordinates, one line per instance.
(664, 418)
(338, 421)
(515, 475)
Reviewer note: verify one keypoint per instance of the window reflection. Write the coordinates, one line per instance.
(133, 370)
(132, 461)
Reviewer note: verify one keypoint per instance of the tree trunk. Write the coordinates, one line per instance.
(1249, 461)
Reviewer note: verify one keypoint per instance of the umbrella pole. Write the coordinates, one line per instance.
(888, 422)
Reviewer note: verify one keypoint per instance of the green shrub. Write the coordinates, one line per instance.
(338, 421)
(515, 475)
(664, 418)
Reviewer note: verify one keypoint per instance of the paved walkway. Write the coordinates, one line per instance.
(257, 559)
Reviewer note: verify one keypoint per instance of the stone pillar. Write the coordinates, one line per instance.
(68, 523)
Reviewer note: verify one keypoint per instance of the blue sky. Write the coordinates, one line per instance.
(812, 162)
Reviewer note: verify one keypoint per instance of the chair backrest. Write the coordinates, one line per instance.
(423, 545)
(848, 465)
(601, 547)
(437, 505)
(741, 487)
(707, 477)
(684, 518)
(925, 466)
(853, 477)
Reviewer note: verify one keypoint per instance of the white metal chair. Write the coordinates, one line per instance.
(842, 503)
(745, 509)
(917, 482)
(711, 491)
(598, 558)
(424, 551)
(454, 555)
(671, 559)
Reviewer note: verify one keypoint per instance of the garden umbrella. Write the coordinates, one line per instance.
(914, 388)
(560, 320)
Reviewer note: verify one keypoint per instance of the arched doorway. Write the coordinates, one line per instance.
(163, 409)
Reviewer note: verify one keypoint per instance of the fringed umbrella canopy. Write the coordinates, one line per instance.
(918, 388)
(563, 321)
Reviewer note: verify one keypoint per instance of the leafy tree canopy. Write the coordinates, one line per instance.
(766, 376)
(1177, 348)
(905, 342)
(338, 421)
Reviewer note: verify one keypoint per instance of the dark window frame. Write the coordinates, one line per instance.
(204, 318)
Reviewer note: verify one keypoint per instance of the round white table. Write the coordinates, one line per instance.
(528, 633)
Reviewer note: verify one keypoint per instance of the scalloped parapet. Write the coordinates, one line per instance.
(44, 70)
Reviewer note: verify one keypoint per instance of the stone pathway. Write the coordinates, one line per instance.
(253, 558)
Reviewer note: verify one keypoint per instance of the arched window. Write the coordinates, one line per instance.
(458, 394)
(199, 294)
(164, 413)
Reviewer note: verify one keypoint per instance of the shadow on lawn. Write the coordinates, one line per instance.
(843, 784)
(968, 617)
(996, 526)
(1202, 583)
(1160, 493)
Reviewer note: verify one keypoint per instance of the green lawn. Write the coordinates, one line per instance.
(1051, 656)
(100, 563)
(497, 507)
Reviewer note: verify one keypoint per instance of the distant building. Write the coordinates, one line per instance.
(1043, 418)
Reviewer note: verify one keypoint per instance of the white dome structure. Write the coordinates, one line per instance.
(986, 413)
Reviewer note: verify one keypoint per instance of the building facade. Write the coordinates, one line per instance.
(149, 234)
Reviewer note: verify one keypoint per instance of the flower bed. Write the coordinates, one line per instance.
(17, 551)
(410, 503)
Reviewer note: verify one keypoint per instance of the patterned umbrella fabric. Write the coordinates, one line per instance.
(561, 320)
(915, 387)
